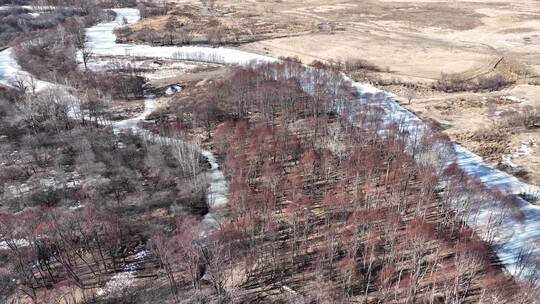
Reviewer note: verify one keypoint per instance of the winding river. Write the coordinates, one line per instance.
(102, 40)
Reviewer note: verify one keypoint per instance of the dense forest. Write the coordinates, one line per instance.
(328, 203)
(329, 198)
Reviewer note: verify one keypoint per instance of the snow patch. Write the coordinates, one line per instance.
(507, 160)
(173, 89)
(17, 242)
(526, 148)
(123, 280)
(514, 99)
(118, 283)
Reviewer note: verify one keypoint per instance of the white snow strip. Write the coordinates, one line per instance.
(514, 99)
(18, 242)
(118, 283)
(150, 104)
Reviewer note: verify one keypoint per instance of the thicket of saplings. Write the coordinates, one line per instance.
(456, 83)
(506, 72)
(53, 57)
(77, 200)
(17, 24)
(331, 206)
(149, 9)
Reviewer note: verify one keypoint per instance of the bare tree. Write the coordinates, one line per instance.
(171, 27)
(19, 83)
(185, 35)
(81, 43)
(410, 94)
(86, 52)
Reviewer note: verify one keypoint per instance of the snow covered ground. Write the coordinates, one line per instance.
(122, 280)
(18, 243)
(11, 72)
(102, 40)
(28, 7)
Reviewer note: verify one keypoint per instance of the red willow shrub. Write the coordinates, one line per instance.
(357, 209)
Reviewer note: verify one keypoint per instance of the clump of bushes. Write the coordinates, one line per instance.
(47, 57)
(361, 64)
(117, 3)
(150, 9)
(528, 118)
(451, 83)
(348, 66)
(17, 21)
(492, 82)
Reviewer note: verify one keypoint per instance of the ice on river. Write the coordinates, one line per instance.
(11, 72)
(102, 40)
(519, 235)
(150, 104)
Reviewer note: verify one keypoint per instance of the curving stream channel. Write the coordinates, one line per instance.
(102, 40)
